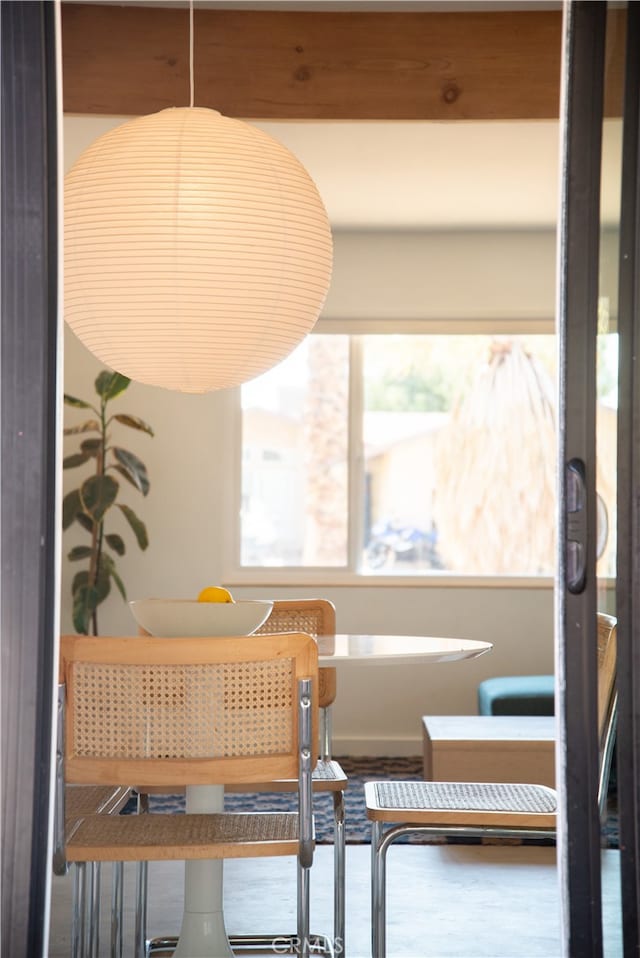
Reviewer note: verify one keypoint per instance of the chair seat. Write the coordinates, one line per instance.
(80, 801)
(83, 800)
(461, 803)
(327, 776)
(159, 837)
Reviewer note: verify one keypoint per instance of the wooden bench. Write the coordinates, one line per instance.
(489, 748)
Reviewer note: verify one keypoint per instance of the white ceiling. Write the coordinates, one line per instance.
(423, 175)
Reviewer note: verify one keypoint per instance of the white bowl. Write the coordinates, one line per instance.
(173, 618)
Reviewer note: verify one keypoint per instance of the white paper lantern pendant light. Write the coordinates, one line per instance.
(198, 251)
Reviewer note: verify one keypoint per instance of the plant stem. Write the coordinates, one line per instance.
(97, 531)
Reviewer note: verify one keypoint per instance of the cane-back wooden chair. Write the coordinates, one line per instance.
(480, 809)
(174, 712)
(314, 617)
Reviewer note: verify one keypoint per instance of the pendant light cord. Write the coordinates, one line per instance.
(191, 80)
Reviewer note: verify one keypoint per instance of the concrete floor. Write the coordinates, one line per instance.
(443, 902)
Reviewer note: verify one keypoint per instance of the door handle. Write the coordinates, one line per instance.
(576, 508)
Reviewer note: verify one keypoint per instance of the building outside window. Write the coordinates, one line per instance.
(420, 455)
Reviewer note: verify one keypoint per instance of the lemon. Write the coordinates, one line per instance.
(215, 593)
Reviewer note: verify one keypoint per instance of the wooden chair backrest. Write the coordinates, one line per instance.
(607, 655)
(185, 711)
(313, 616)
(607, 705)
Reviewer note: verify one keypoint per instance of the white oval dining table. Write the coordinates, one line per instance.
(203, 933)
(342, 649)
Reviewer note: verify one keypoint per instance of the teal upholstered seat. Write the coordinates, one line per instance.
(516, 695)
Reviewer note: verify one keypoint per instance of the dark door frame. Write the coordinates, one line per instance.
(628, 556)
(29, 366)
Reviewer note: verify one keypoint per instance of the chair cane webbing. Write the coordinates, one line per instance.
(469, 796)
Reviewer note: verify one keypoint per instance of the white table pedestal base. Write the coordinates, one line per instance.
(203, 934)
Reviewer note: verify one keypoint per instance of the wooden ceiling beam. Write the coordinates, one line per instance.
(313, 65)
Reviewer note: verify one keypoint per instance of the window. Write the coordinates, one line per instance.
(419, 455)
(295, 468)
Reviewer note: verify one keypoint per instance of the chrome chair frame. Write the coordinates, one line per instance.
(85, 928)
(297, 607)
(382, 839)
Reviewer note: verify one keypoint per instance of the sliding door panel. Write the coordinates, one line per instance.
(628, 557)
(577, 751)
(29, 517)
(599, 517)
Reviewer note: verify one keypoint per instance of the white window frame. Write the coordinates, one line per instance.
(318, 576)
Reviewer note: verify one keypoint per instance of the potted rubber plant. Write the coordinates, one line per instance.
(93, 503)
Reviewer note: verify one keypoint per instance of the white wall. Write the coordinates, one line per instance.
(377, 712)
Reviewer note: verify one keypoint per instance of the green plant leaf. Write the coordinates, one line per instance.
(77, 459)
(79, 552)
(90, 447)
(116, 543)
(103, 584)
(133, 468)
(79, 403)
(71, 508)
(139, 528)
(98, 493)
(91, 425)
(85, 600)
(127, 476)
(85, 521)
(109, 385)
(80, 579)
(120, 584)
(108, 570)
(134, 422)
